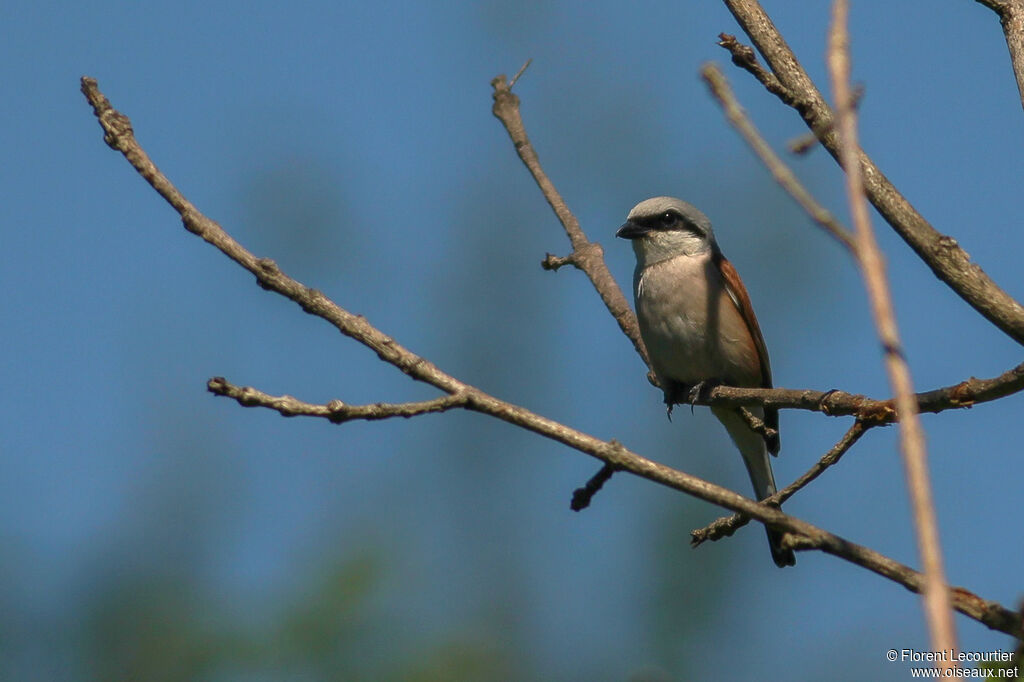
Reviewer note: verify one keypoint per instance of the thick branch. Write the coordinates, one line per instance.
(119, 135)
(588, 256)
(840, 403)
(938, 610)
(1011, 18)
(943, 255)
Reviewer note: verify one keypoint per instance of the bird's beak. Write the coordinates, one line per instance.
(631, 230)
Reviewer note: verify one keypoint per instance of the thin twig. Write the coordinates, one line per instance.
(802, 144)
(936, 592)
(581, 497)
(780, 171)
(334, 411)
(941, 253)
(119, 135)
(744, 57)
(587, 255)
(1011, 18)
(553, 262)
(756, 424)
(520, 72)
(725, 526)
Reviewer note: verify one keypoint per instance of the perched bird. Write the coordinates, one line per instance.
(699, 327)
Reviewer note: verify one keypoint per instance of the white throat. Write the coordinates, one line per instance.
(660, 246)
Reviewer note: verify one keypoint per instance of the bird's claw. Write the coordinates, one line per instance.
(693, 395)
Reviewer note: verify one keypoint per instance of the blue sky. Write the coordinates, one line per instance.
(354, 144)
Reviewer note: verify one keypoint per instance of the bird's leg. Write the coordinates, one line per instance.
(675, 393)
(694, 393)
(701, 391)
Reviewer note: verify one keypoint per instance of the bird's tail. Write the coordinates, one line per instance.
(755, 455)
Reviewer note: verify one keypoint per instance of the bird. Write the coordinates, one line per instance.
(698, 325)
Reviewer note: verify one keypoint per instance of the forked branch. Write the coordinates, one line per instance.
(119, 135)
(941, 253)
(727, 525)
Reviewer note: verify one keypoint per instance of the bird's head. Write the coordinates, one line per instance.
(665, 227)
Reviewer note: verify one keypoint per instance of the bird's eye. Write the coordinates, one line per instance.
(668, 219)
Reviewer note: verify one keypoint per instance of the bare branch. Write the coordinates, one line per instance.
(335, 411)
(780, 171)
(808, 141)
(119, 135)
(757, 425)
(588, 256)
(581, 497)
(744, 57)
(915, 459)
(553, 262)
(840, 403)
(520, 72)
(1011, 18)
(802, 144)
(948, 261)
(725, 526)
